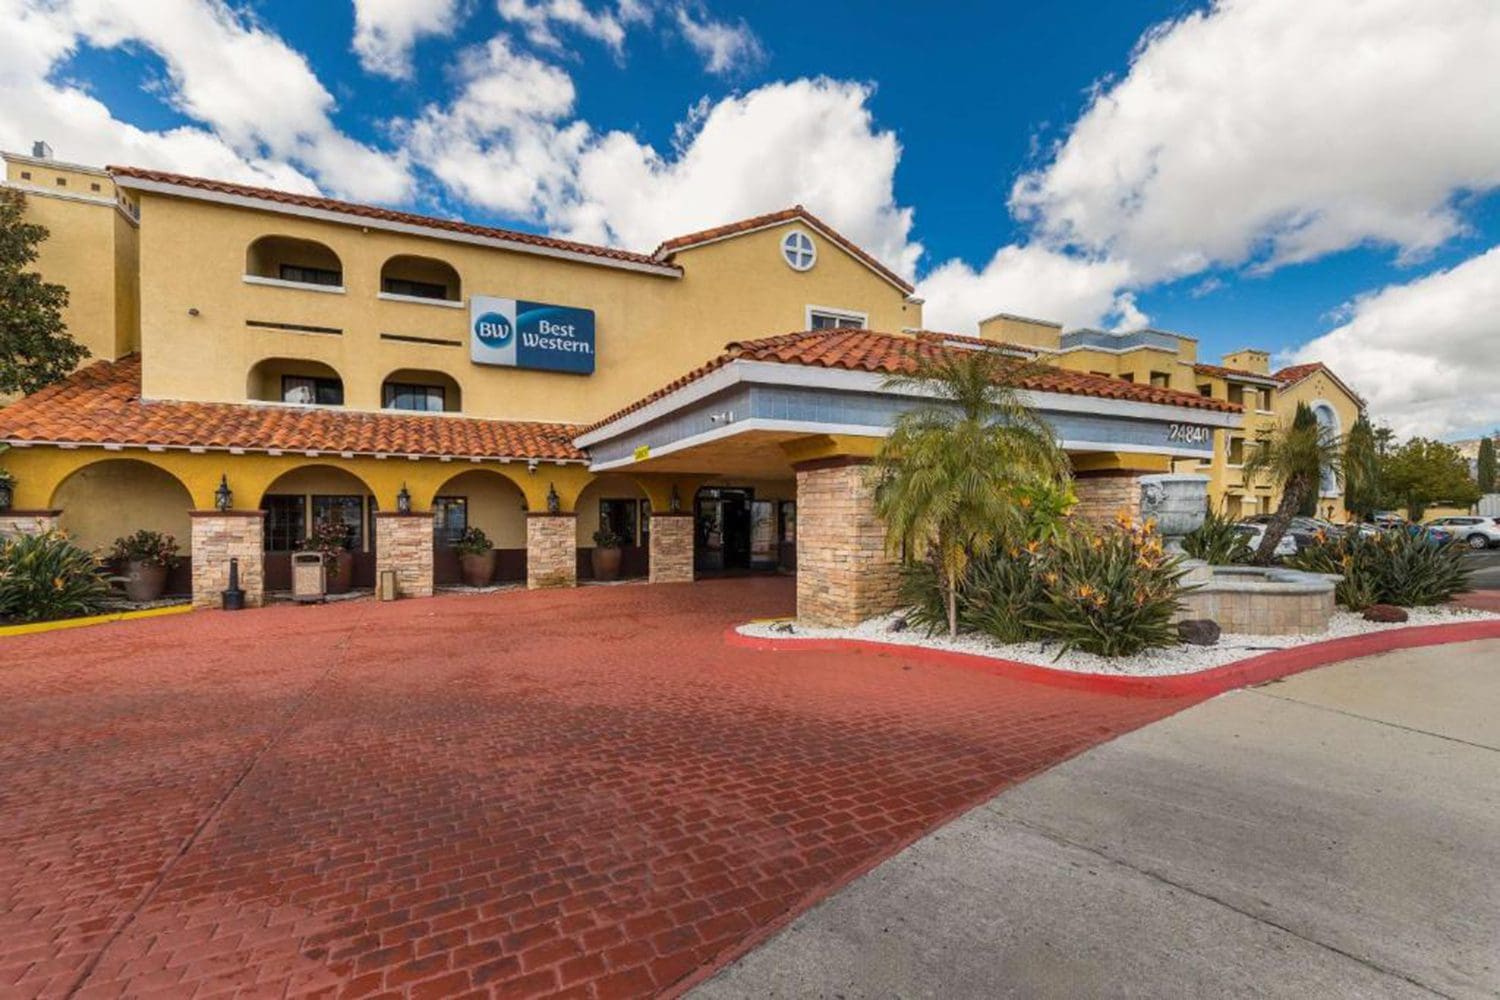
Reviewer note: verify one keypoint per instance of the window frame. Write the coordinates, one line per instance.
(442, 531)
(357, 526)
(409, 289)
(310, 275)
(319, 383)
(389, 390)
(861, 320)
(273, 527)
(806, 251)
(631, 504)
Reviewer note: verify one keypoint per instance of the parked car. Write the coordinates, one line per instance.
(1254, 532)
(1303, 530)
(1475, 531)
(1435, 535)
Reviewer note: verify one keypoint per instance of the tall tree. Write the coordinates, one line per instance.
(1303, 419)
(35, 346)
(1422, 472)
(1385, 440)
(1361, 470)
(952, 472)
(1486, 466)
(1296, 458)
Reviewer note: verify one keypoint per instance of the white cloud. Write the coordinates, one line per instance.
(1274, 131)
(386, 30)
(220, 69)
(1028, 280)
(541, 19)
(724, 47)
(1424, 353)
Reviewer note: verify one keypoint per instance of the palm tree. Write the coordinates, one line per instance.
(1297, 458)
(950, 469)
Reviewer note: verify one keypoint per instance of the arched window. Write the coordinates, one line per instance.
(294, 261)
(1329, 426)
(421, 390)
(293, 380)
(409, 277)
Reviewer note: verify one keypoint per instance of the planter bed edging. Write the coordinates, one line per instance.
(32, 628)
(1257, 669)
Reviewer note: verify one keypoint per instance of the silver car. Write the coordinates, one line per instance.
(1477, 531)
(1253, 532)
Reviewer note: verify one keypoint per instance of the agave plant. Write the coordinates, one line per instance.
(45, 576)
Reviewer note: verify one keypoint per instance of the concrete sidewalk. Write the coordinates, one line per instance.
(1336, 833)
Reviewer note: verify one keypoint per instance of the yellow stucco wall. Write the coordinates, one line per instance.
(93, 511)
(495, 506)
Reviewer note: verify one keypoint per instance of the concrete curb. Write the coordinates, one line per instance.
(1242, 673)
(33, 628)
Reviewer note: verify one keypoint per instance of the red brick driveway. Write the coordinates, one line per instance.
(578, 792)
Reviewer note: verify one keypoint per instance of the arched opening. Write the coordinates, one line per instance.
(619, 504)
(421, 390)
(301, 262)
(412, 277)
(294, 380)
(297, 500)
(1329, 425)
(116, 497)
(491, 502)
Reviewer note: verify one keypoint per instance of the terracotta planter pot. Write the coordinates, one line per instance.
(341, 573)
(477, 568)
(144, 581)
(606, 563)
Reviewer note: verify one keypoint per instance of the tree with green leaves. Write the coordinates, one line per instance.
(953, 473)
(1295, 458)
(35, 346)
(1304, 418)
(1361, 470)
(1486, 467)
(1422, 472)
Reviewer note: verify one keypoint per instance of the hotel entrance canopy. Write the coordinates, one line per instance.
(754, 410)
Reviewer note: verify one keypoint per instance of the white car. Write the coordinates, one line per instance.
(1255, 532)
(1476, 531)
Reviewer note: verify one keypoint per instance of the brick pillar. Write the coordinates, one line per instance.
(403, 542)
(28, 522)
(671, 548)
(551, 550)
(843, 572)
(219, 536)
(1103, 495)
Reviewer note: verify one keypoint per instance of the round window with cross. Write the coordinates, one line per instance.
(797, 247)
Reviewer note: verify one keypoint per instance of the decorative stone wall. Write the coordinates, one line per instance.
(844, 574)
(552, 550)
(219, 536)
(403, 542)
(1103, 495)
(671, 548)
(28, 522)
(1254, 601)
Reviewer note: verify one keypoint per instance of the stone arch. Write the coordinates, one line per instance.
(297, 497)
(113, 497)
(480, 497)
(630, 505)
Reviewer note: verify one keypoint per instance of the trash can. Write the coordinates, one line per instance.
(309, 577)
(388, 585)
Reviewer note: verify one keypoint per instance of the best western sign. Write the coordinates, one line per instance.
(531, 335)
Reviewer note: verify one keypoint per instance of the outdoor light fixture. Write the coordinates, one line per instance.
(403, 500)
(676, 503)
(531, 465)
(554, 502)
(223, 497)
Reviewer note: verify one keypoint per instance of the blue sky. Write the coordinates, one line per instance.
(1242, 171)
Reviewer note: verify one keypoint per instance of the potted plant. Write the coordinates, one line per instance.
(606, 554)
(330, 536)
(145, 557)
(476, 557)
(7, 488)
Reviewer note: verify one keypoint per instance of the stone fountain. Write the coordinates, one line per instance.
(1255, 600)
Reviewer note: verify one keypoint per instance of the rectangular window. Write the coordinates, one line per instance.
(415, 289)
(286, 523)
(1237, 394)
(404, 396)
(311, 275)
(788, 521)
(1236, 451)
(620, 516)
(307, 390)
(1128, 377)
(450, 519)
(348, 509)
(1162, 380)
(1206, 389)
(819, 319)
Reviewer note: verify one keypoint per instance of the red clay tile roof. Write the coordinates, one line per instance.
(890, 353)
(101, 404)
(676, 243)
(384, 215)
(1219, 371)
(1293, 374)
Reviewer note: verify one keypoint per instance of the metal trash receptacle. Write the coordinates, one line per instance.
(309, 576)
(387, 589)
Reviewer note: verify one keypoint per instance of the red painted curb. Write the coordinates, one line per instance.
(1215, 680)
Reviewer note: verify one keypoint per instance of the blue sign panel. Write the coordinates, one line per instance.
(537, 335)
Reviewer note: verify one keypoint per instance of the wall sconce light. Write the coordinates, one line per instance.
(223, 496)
(403, 500)
(554, 502)
(676, 502)
(531, 465)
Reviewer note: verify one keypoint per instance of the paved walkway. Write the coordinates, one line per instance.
(1333, 834)
(576, 792)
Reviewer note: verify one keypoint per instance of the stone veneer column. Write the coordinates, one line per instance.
(403, 542)
(219, 536)
(28, 522)
(844, 574)
(551, 550)
(1103, 495)
(671, 556)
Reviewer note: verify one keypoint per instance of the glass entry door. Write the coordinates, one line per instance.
(723, 529)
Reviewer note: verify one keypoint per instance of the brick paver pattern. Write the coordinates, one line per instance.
(523, 793)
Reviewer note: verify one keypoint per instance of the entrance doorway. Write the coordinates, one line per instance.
(734, 532)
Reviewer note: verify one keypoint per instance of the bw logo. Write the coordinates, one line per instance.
(493, 330)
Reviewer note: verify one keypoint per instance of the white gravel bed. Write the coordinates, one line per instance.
(1154, 663)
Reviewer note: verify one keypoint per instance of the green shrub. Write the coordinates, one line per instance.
(1113, 592)
(44, 577)
(1393, 567)
(154, 547)
(473, 542)
(921, 593)
(1217, 541)
(1001, 593)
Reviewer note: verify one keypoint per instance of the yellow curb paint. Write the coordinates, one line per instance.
(31, 628)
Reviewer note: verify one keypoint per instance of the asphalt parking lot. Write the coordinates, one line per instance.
(1486, 569)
